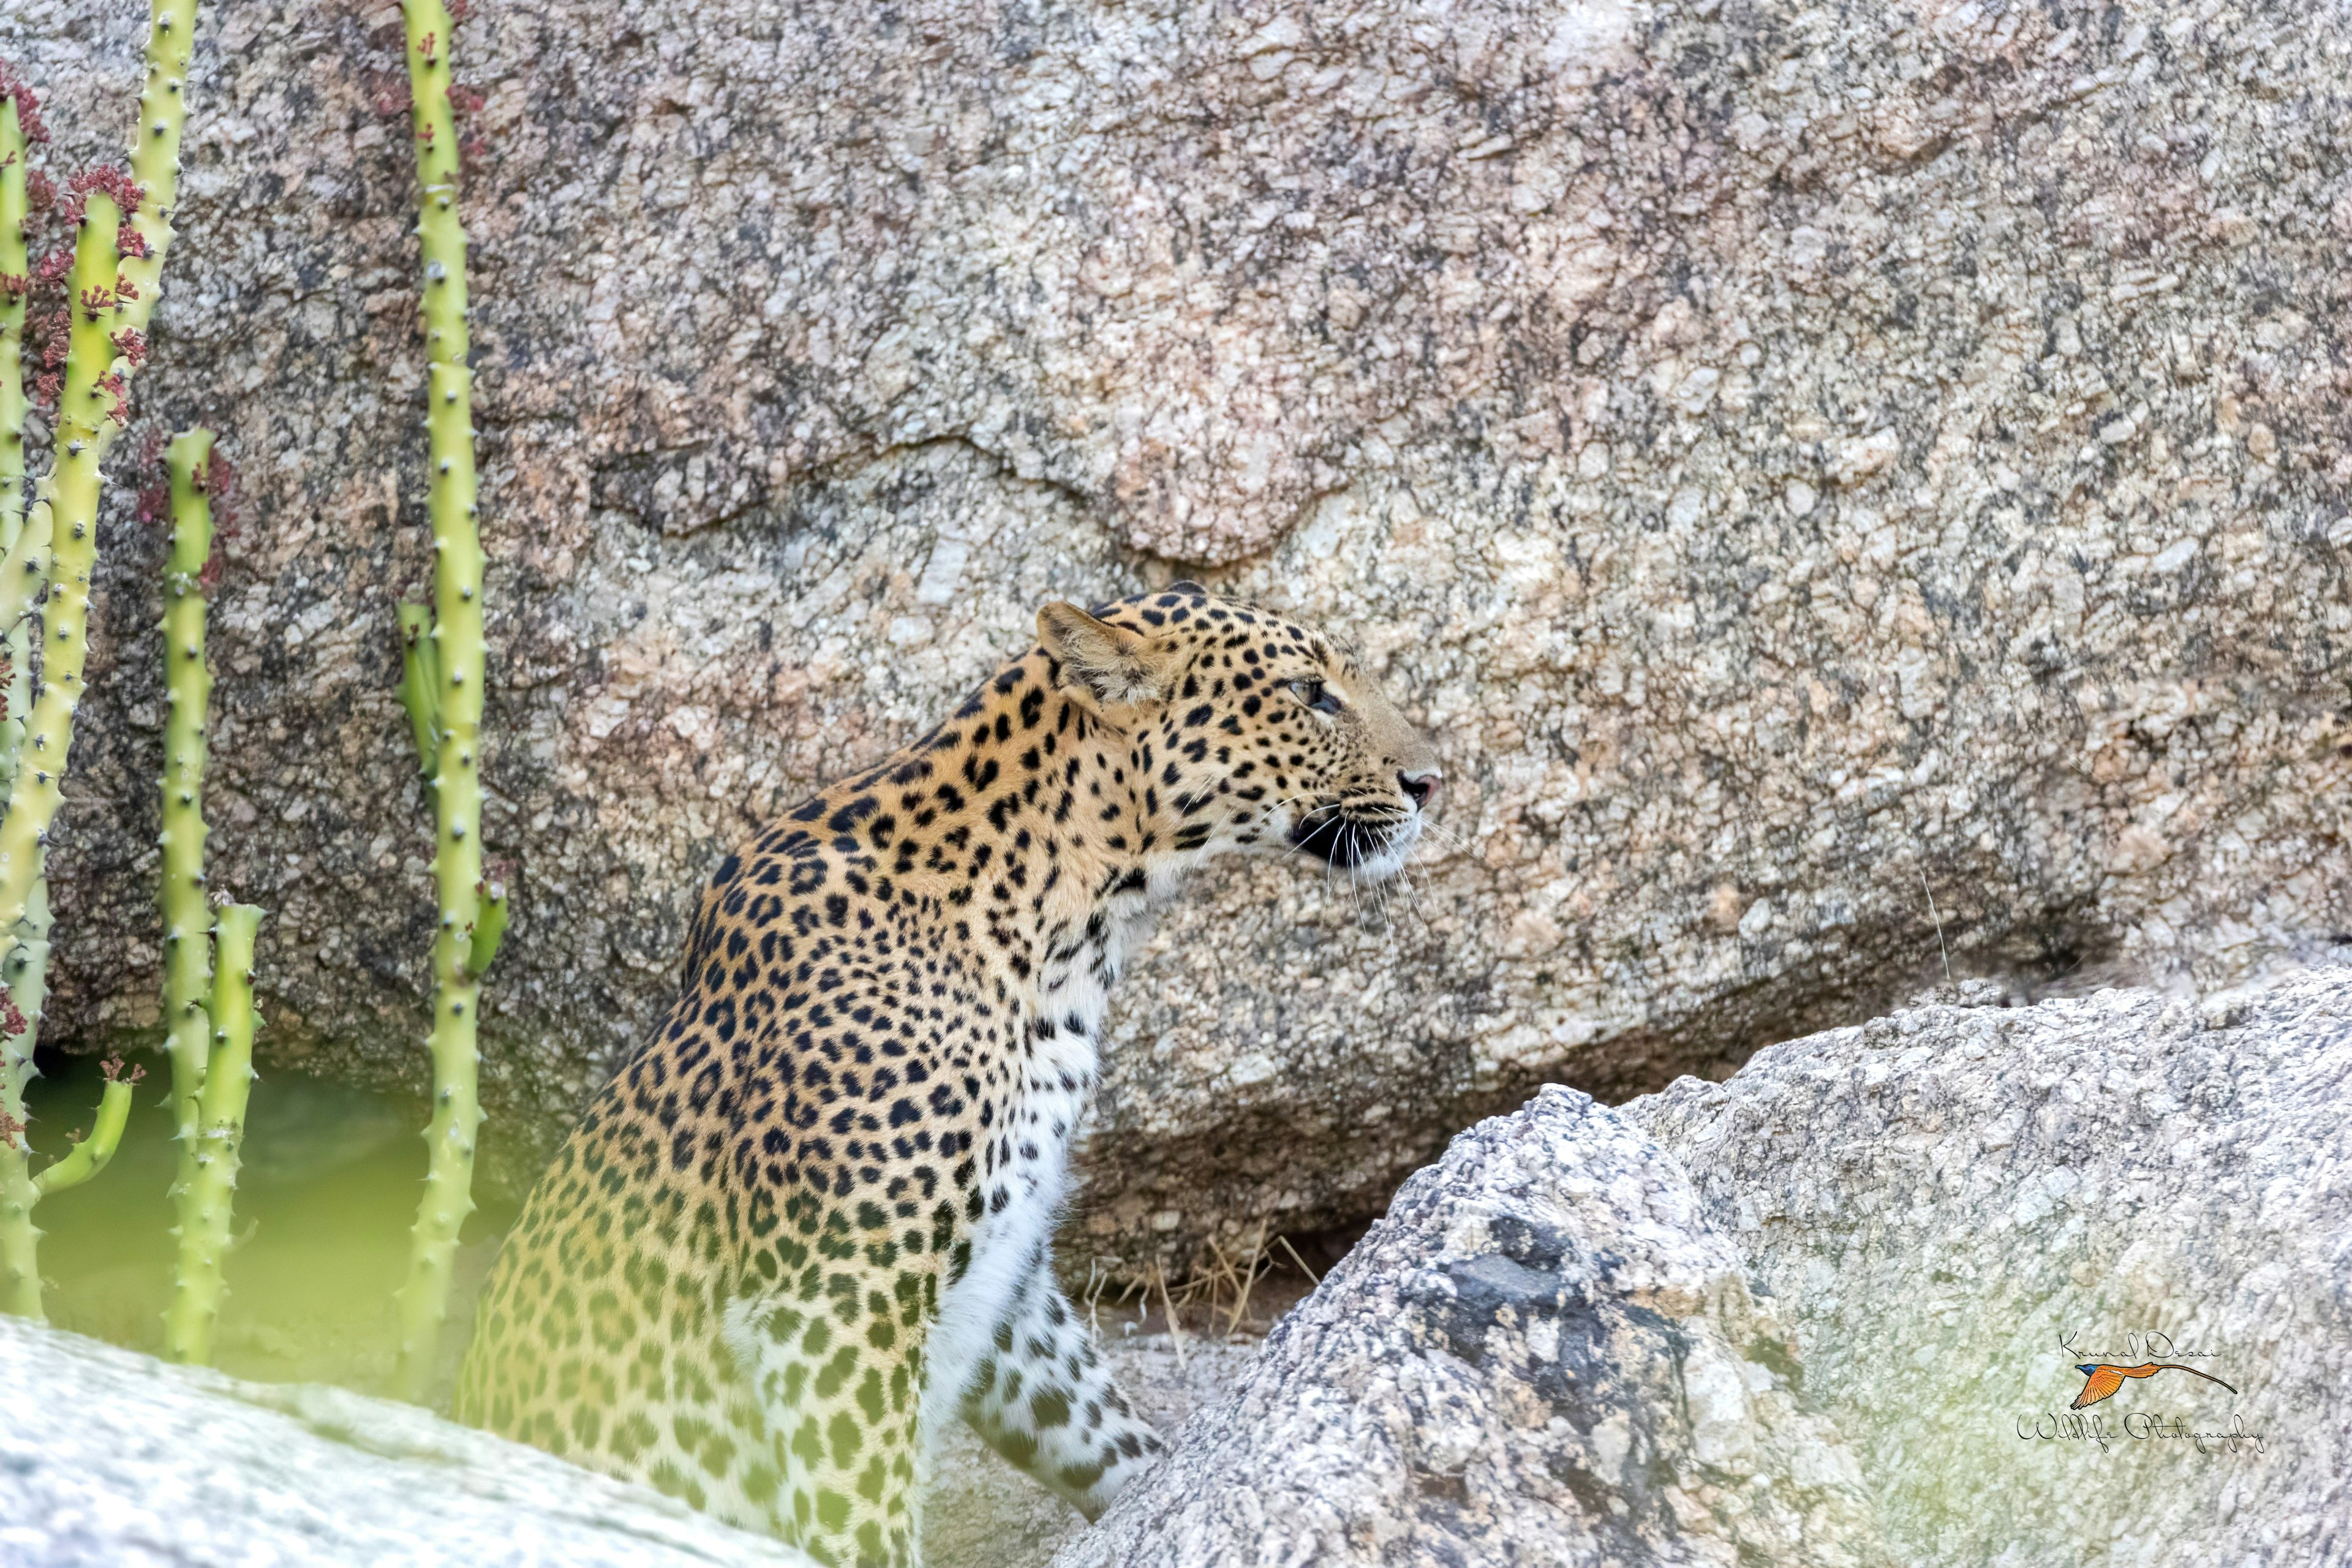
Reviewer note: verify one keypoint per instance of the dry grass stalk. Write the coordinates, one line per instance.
(1175, 1329)
(1313, 1277)
(1261, 1263)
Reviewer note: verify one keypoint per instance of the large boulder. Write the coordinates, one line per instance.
(118, 1460)
(1835, 481)
(1542, 1354)
(1956, 1208)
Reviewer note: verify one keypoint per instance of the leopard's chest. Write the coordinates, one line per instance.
(1023, 1161)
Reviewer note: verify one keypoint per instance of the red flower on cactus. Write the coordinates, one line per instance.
(219, 482)
(56, 345)
(130, 244)
(125, 289)
(94, 300)
(156, 495)
(12, 1021)
(113, 182)
(10, 1129)
(52, 266)
(130, 346)
(29, 106)
(112, 384)
(112, 1067)
(424, 48)
(14, 285)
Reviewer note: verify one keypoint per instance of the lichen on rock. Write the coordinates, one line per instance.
(1543, 1353)
(1956, 1208)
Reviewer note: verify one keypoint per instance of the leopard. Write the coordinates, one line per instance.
(808, 1225)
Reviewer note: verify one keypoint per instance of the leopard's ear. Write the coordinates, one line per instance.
(1103, 665)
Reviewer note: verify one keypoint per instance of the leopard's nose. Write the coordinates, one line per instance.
(1420, 785)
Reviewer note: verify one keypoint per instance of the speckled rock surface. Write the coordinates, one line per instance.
(1543, 1354)
(118, 1460)
(1956, 1207)
(1832, 479)
(980, 1512)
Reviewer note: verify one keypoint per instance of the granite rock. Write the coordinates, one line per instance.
(1843, 485)
(1955, 1208)
(116, 1460)
(1543, 1353)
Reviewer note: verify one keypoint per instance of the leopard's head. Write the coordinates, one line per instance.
(1246, 729)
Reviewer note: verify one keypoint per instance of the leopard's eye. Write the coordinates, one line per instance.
(1316, 695)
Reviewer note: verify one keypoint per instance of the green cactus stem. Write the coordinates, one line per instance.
(489, 930)
(454, 673)
(155, 154)
(112, 297)
(110, 290)
(26, 971)
(25, 568)
(197, 1291)
(417, 690)
(187, 686)
(90, 1156)
(20, 1281)
(35, 793)
(15, 290)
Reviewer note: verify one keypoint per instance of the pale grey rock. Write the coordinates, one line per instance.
(1954, 1207)
(1835, 481)
(1543, 1354)
(980, 1512)
(116, 1460)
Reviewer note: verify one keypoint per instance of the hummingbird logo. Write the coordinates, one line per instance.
(2101, 1379)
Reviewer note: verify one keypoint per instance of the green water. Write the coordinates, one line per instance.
(330, 1184)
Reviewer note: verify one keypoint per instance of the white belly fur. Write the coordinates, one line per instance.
(1006, 1242)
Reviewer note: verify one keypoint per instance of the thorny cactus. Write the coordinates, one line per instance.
(204, 1207)
(90, 1156)
(125, 229)
(20, 1272)
(90, 1153)
(20, 127)
(442, 686)
(22, 190)
(113, 281)
(187, 686)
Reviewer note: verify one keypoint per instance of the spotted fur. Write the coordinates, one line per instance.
(809, 1222)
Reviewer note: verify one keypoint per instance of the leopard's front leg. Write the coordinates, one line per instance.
(1042, 1397)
